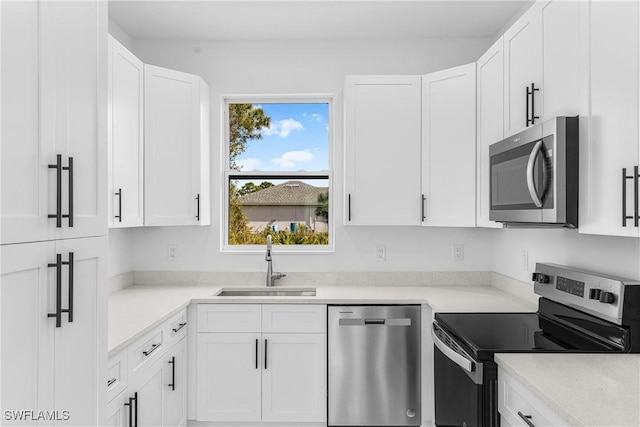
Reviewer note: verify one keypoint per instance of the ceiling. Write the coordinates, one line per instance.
(313, 19)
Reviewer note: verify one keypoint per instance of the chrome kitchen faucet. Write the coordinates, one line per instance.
(271, 276)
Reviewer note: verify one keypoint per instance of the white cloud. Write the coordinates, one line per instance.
(283, 128)
(289, 159)
(249, 164)
(313, 117)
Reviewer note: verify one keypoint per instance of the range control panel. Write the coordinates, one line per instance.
(595, 293)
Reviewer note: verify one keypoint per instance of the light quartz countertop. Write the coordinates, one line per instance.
(593, 390)
(137, 309)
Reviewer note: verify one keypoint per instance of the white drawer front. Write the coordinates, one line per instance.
(146, 350)
(229, 317)
(291, 318)
(516, 402)
(175, 328)
(117, 375)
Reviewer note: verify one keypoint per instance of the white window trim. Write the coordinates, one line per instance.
(225, 247)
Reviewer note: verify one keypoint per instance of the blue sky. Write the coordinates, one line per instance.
(298, 139)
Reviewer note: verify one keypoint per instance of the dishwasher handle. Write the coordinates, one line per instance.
(374, 321)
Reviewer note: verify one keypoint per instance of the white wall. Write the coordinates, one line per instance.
(276, 67)
(120, 251)
(121, 35)
(613, 255)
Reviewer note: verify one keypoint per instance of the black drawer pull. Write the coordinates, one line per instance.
(526, 419)
(180, 326)
(172, 362)
(111, 381)
(153, 348)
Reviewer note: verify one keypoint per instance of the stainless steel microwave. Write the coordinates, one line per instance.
(534, 176)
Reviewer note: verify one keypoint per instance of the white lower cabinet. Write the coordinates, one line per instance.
(269, 368)
(520, 407)
(154, 390)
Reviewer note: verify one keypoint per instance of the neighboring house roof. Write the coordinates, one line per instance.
(290, 193)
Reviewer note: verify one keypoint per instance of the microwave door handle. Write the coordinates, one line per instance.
(530, 174)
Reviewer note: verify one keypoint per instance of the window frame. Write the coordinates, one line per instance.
(228, 174)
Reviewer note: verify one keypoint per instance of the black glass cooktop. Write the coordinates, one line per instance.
(561, 329)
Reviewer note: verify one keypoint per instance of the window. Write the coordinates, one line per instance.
(278, 173)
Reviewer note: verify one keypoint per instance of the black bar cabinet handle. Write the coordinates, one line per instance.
(153, 348)
(423, 211)
(135, 411)
(349, 207)
(69, 310)
(526, 419)
(265, 354)
(256, 353)
(625, 177)
(180, 326)
(198, 207)
(527, 106)
(119, 194)
(58, 313)
(172, 362)
(70, 169)
(635, 196)
(111, 381)
(58, 168)
(533, 103)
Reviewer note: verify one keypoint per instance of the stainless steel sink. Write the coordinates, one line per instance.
(267, 292)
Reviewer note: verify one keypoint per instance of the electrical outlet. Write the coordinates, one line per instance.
(458, 252)
(381, 253)
(524, 260)
(172, 252)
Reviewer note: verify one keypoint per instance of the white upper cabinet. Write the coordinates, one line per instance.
(609, 117)
(541, 49)
(126, 137)
(522, 69)
(176, 148)
(448, 147)
(382, 150)
(53, 152)
(490, 123)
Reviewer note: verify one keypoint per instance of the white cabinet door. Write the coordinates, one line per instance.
(522, 67)
(560, 93)
(176, 148)
(294, 381)
(382, 150)
(608, 116)
(148, 405)
(80, 339)
(25, 176)
(117, 412)
(490, 122)
(27, 363)
(73, 113)
(229, 377)
(44, 366)
(174, 390)
(449, 147)
(126, 137)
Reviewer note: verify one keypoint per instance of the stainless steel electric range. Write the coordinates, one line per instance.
(579, 311)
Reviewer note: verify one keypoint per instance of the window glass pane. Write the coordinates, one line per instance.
(293, 211)
(281, 142)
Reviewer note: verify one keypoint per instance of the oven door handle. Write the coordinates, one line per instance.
(530, 184)
(458, 359)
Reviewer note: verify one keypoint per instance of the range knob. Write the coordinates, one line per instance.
(607, 297)
(540, 278)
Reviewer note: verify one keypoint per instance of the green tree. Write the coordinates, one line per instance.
(323, 210)
(250, 187)
(245, 123)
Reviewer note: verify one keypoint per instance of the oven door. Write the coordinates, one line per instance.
(463, 394)
(521, 187)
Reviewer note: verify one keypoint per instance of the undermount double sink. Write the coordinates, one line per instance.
(267, 292)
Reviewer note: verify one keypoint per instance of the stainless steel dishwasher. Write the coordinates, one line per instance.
(374, 365)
